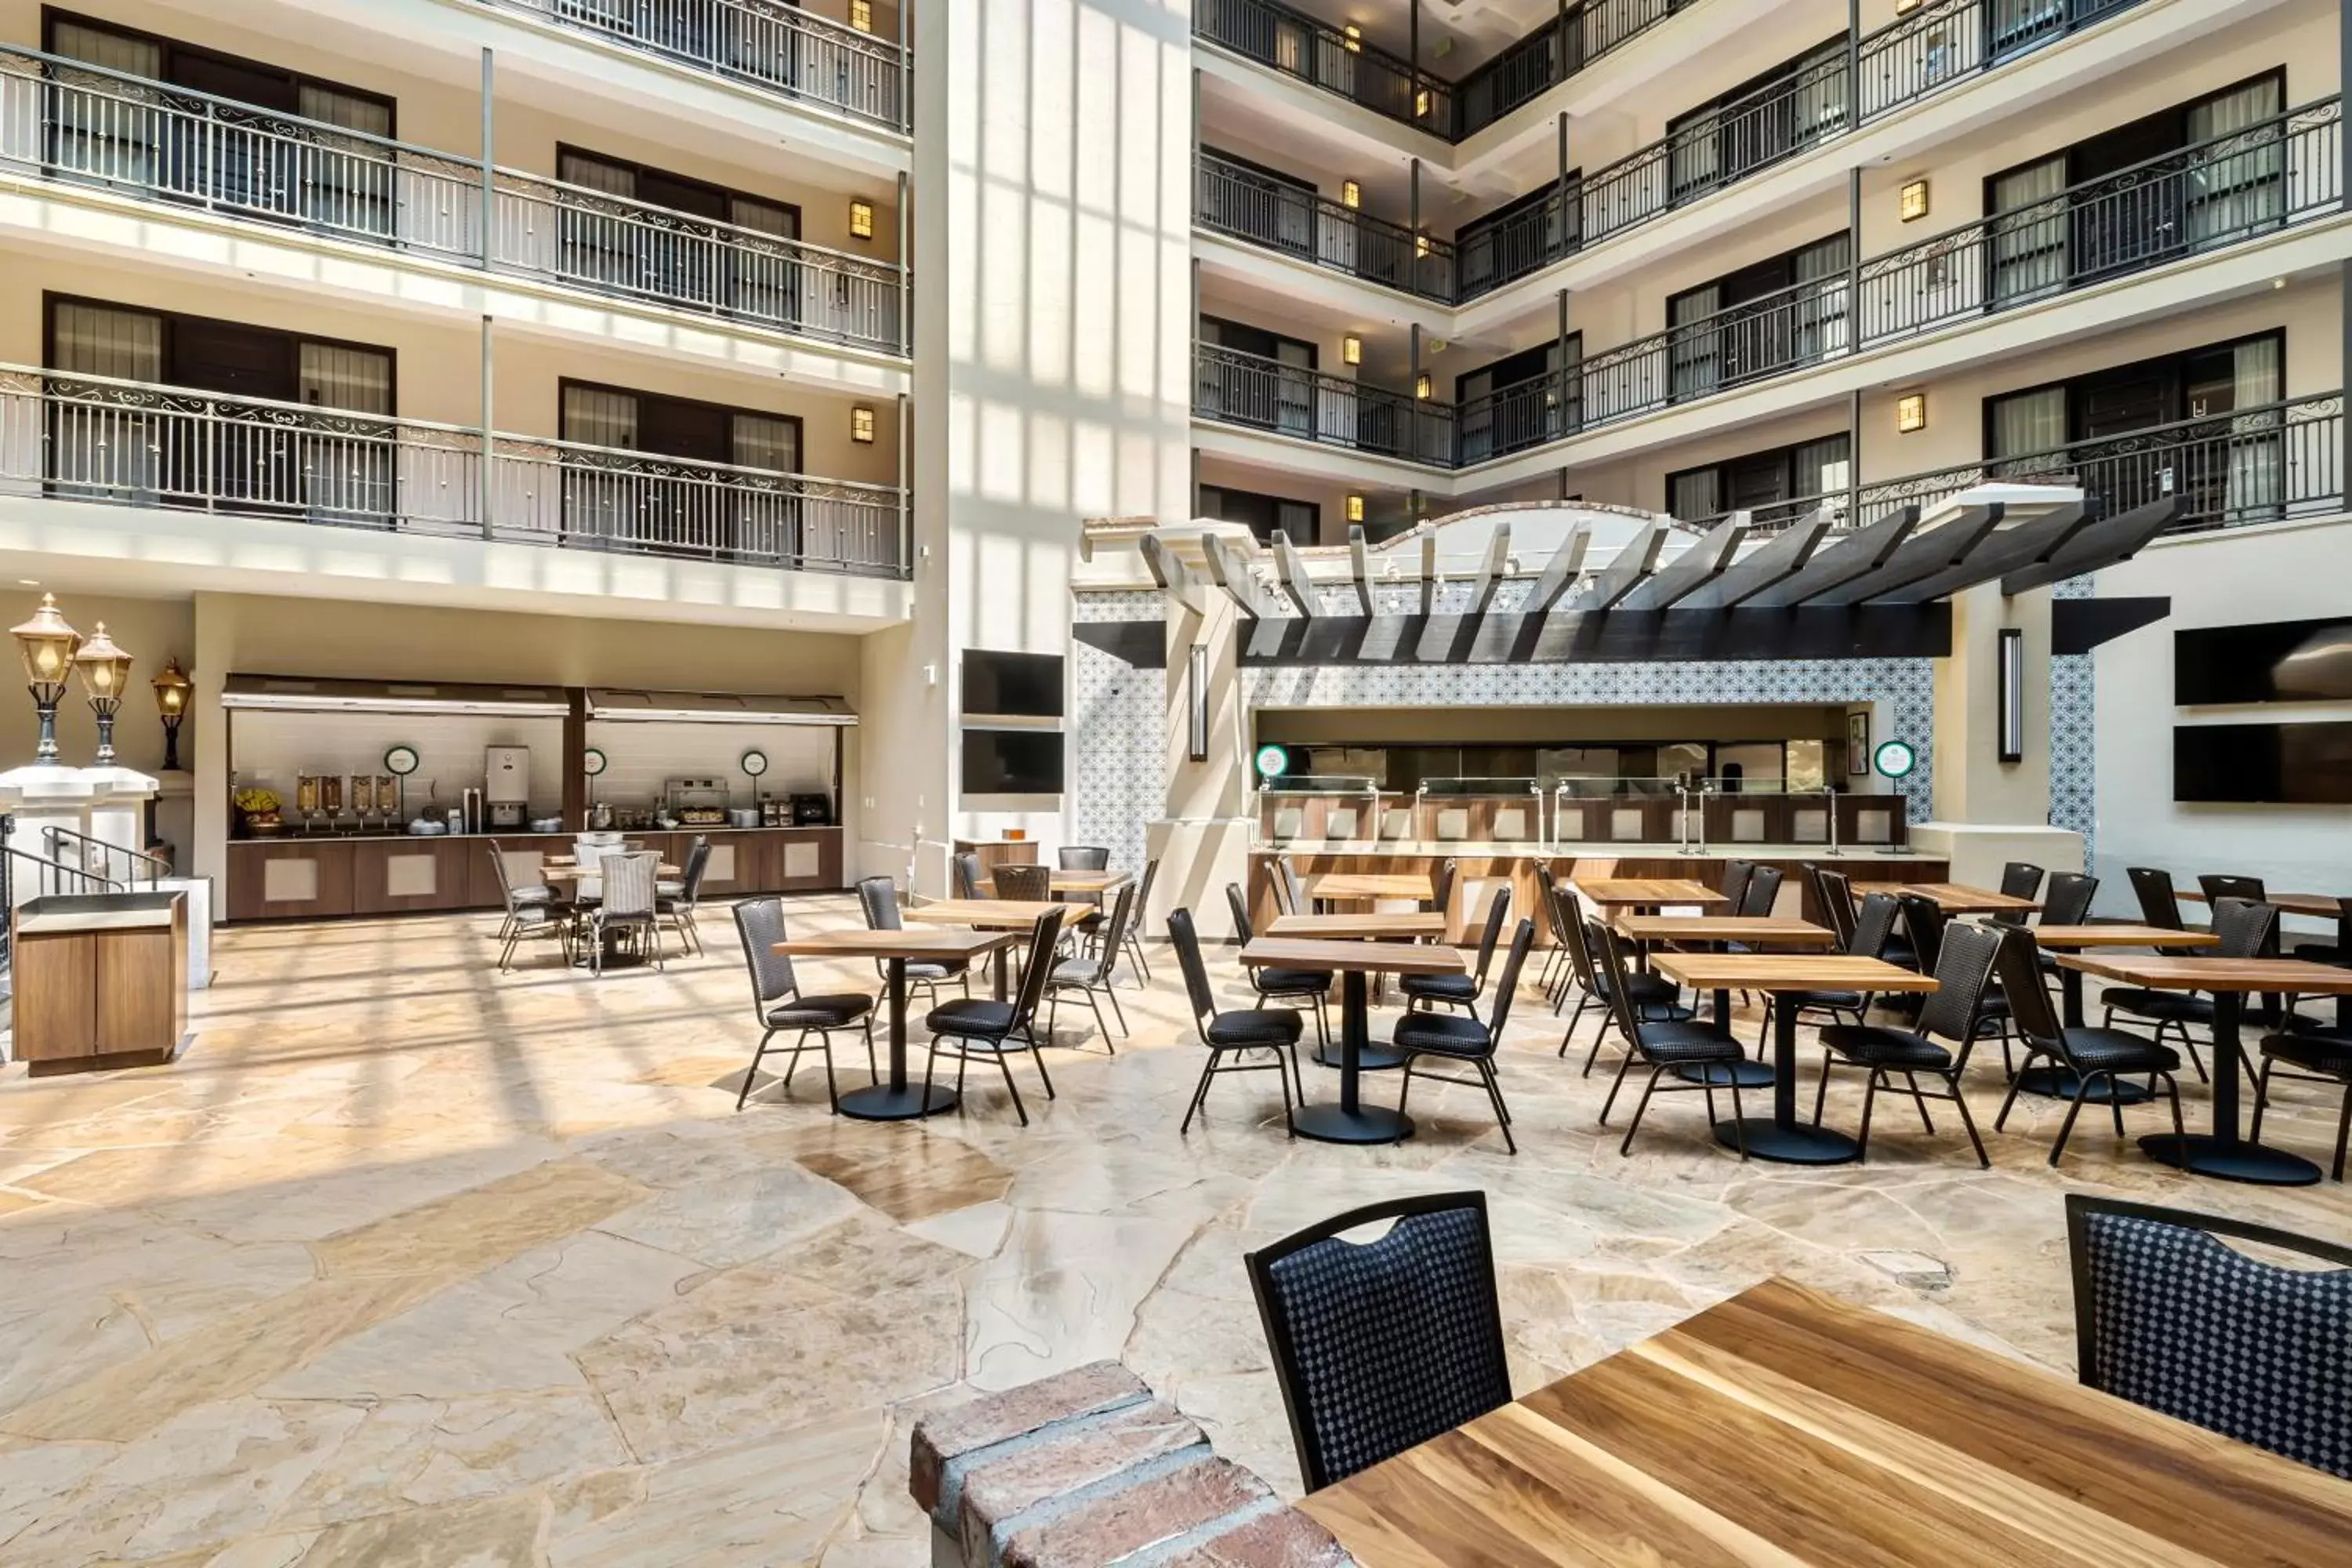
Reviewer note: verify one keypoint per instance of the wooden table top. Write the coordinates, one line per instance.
(2156, 972)
(2121, 936)
(1786, 1427)
(1371, 926)
(2323, 906)
(570, 873)
(1617, 892)
(1371, 885)
(1955, 898)
(1758, 931)
(1004, 914)
(897, 943)
(1372, 957)
(1089, 881)
(1787, 972)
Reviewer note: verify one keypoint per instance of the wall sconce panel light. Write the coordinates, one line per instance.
(861, 220)
(1421, 104)
(1421, 386)
(1914, 200)
(1355, 508)
(861, 424)
(1352, 350)
(1905, 8)
(1351, 194)
(1355, 37)
(1911, 412)
(861, 15)
(2011, 716)
(1196, 703)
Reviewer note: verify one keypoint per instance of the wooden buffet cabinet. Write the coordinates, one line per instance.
(100, 980)
(328, 878)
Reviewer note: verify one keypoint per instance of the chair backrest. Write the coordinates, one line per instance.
(968, 874)
(1143, 888)
(1498, 909)
(1106, 956)
(506, 883)
(1040, 968)
(1242, 930)
(1923, 916)
(1022, 883)
(2021, 879)
(1288, 888)
(2069, 902)
(1963, 965)
(698, 862)
(2276, 1376)
(1382, 1344)
(1609, 961)
(2019, 965)
(1187, 944)
(2216, 889)
(1441, 884)
(1085, 857)
(878, 896)
(1734, 886)
(629, 884)
(760, 922)
(1507, 985)
(2245, 928)
(1763, 892)
(2159, 905)
(1874, 927)
(1837, 903)
(1571, 926)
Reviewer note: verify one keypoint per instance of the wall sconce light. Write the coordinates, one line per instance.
(861, 220)
(48, 645)
(1911, 412)
(2011, 716)
(1351, 194)
(1351, 351)
(1355, 508)
(172, 688)
(1196, 703)
(861, 15)
(1421, 386)
(1419, 245)
(1355, 37)
(1421, 104)
(1905, 8)
(861, 424)
(105, 670)
(1914, 200)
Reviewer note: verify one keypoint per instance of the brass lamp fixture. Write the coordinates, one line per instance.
(105, 672)
(48, 645)
(172, 688)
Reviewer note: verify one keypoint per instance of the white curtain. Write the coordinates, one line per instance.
(598, 247)
(1694, 495)
(92, 340)
(106, 129)
(101, 448)
(600, 501)
(2028, 230)
(2025, 423)
(346, 473)
(1819, 310)
(597, 418)
(2237, 184)
(359, 379)
(2257, 458)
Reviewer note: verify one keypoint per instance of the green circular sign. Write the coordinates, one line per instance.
(1895, 759)
(1273, 762)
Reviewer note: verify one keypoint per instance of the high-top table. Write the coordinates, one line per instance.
(1370, 925)
(897, 1100)
(2222, 1151)
(1015, 915)
(1754, 931)
(1781, 1136)
(1787, 1427)
(1351, 1120)
(2061, 1082)
(1954, 898)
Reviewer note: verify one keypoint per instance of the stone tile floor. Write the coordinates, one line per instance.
(408, 1262)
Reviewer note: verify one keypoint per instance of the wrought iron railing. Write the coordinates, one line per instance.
(92, 439)
(1235, 388)
(1233, 200)
(770, 44)
(61, 120)
(1947, 41)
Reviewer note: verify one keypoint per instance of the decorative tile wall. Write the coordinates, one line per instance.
(2073, 771)
(1117, 764)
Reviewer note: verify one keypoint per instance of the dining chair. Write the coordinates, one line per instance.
(2160, 901)
(1090, 974)
(1282, 881)
(1456, 1038)
(1231, 1036)
(1085, 920)
(2245, 930)
(1083, 858)
(984, 1027)
(2216, 889)
(879, 898)
(2170, 1317)
(1662, 1046)
(1734, 885)
(1554, 974)
(1135, 923)
(777, 1003)
(517, 895)
(1654, 997)
(2021, 879)
(1839, 908)
(2321, 1056)
(2093, 1055)
(1868, 939)
(1963, 967)
(1425, 991)
(674, 902)
(1384, 1344)
(1024, 884)
(1763, 892)
(968, 874)
(627, 905)
(1442, 888)
(1312, 986)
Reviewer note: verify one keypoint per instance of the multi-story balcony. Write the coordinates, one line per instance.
(65, 121)
(767, 44)
(95, 439)
(1261, 393)
(2232, 190)
(1235, 200)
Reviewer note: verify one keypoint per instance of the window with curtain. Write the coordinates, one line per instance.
(95, 340)
(349, 183)
(99, 450)
(595, 417)
(2256, 472)
(2026, 421)
(98, 127)
(601, 499)
(333, 376)
(2237, 184)
(597, 247)
(765, 280)
(2029, 228)
(1692, 495)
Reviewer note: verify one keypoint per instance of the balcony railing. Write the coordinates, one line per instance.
(92, 439)
(769, 44)
(1236, 388)
(63, 120)
(1229, 199)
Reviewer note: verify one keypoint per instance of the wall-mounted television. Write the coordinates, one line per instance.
(2285, 764)
(1012, 762)
(2276, 661)
(1026, 685)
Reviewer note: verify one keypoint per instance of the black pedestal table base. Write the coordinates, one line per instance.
(897, 1099)
(1351, 1120)
(2232, 1160)
(1781, 1136)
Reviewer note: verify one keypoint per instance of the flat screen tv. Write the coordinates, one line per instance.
(1012, 762)
(2277, 661)
(2286, 764)
(1028, 685)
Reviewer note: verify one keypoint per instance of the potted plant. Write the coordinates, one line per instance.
(259, 808)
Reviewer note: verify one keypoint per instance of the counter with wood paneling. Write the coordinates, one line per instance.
(100, 980)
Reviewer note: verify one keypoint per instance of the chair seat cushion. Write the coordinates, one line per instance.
(1448, 1034)
(669, 889)
(2319, 952)
(1075, 970)
(2322, 1051)
(2118, 1051)
(1255, 1027)
(2164, 1006)
(1442, 987)
(1681, 1041)
(927, 969)
(979, 1014)
(533, 893)
(1827, 1001)
(1291, 981)
(1872, 1045)
(819, 1012)
(1646, 987)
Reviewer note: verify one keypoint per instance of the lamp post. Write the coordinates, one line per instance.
(48, 645)
(105, 671)
(172, 688)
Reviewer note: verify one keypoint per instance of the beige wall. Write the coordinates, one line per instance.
(149, 630)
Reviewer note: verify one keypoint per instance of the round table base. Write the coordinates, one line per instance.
(2231, 1160)
(617, 960)
(1800, 1143)
(2060, 1083)
(1370, 1059)
(882, 1104)
(1722, 1075)
(1367, 1124)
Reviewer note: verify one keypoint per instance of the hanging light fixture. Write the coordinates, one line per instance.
(105, 671)
(48, 645)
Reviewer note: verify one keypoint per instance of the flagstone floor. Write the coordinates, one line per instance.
(408, 1262)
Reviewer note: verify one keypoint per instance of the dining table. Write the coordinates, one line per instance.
(2062, 1082)
(1350, 1120)
(1954, 898)
(1369, 887)
(2224, 1151)
(1703, 931)
(897, 1099)
(1366, 925)
(1609, 893)
(1781, 1136)
(561, 870)
(1016, 915)
(2311, 906)
(1789, 1428)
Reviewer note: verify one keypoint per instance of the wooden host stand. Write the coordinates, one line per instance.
(101, 981)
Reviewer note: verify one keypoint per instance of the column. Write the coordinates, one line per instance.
(1988, 812)
(1204, 843)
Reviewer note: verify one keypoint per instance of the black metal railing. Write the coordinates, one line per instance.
(1235, 200)
(1235, 388)
(1947, 41)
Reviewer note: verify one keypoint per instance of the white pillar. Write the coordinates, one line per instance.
(40, 796)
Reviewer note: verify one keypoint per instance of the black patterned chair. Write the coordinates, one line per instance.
(2021, 879)
(2172, 1318)
(1231, 1036)
(1089, 974)
(879, 898)
(969, 877)
(1662, 1046)
(2093, 1056)
(1382, 1344)
(1135, 925)
(979, 1026)
(1963, 968)
(1872, 930)
(2246, 930)
(1425, 991)
(1309, 987)
(1654, 997)
(1454, 1038)
(778, 1005)
(2312, 1056)
(1734, 885)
